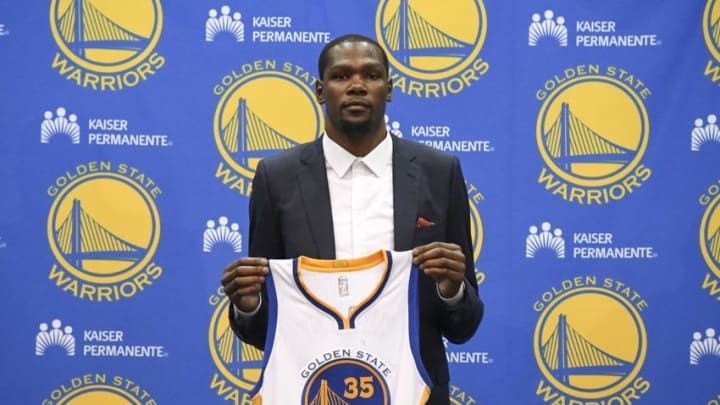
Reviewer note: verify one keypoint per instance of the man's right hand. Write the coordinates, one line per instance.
(242, 280)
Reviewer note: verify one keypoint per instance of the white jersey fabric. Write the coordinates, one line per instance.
(343, 332)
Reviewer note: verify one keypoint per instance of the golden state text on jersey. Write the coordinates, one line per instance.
(710, 238)
(100, 388)
(265, 106)
(433, 47)
(592, 132)
(105, 45)
(103, 229)
(349, 380)
(590, 342)
(238, 364)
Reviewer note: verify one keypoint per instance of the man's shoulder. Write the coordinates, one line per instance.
(291, 158)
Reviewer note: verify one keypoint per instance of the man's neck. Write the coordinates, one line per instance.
(357, 144)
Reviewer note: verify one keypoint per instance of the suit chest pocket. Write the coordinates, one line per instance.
(431, 233)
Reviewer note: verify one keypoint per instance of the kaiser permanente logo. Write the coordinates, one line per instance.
(219, 233)
(63, 127)
(704, 346)
(590, 342)
(4, 31)
(592, 132)
(107, 46)
(103, 229)
(265, 106)
(441, 137)
(589, 33)
(433, 47)
(704, 132)
(100, 388)
(228, 24)
(710, 238)
(547, 240)
(237, 365)
(94, 343)
(465, 357)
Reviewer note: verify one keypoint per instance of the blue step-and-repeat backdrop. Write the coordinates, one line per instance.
(588, 134)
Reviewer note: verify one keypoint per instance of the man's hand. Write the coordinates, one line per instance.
(242, 280)
(444, 262)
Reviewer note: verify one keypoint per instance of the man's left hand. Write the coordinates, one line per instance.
(444, 262)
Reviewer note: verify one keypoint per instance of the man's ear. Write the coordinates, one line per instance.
(319, 91)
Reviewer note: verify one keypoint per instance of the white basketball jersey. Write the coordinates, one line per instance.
(343, 332)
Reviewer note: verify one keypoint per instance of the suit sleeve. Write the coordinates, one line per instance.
(461, 320)
(264, 241)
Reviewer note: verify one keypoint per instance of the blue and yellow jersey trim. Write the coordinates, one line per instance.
(344, 266)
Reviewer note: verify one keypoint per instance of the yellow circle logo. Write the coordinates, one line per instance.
(477, 234)
(103, 228)
(592, 131)
(238, 362)
(99, 388)
(105, 36)
(711, 28)
(106, 45)
(710, 236)
(590, 343)
(262, 113)
(430, 40)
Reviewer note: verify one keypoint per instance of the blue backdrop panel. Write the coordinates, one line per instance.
(587, 132)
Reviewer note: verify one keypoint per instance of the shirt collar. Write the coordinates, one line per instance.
(340, 160)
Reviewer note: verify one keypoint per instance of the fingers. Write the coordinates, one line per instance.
(441, 260)
(244, 277)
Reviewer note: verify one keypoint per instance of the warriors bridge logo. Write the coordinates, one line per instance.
(264, 107)
(103, 229)
(590, 342)
(710, 238)
(433, 47)
(592, 132)
(711, 30)
(106, 45)
(238, 364)
(100, 388)
(476, 227)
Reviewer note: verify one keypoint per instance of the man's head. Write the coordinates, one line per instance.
(354, 86)
(323, 59)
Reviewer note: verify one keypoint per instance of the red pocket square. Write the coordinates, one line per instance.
(422, 222)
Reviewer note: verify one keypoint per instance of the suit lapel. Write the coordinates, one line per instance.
(405, 195)
(316, 200)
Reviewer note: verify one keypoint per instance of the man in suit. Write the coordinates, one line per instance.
(358, 189)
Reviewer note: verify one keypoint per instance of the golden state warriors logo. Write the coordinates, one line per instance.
(710, 238)
(590, 342)
(238, 364)
(433, 47)
(592, 133)
(103, 229)
(265, 107)
(106, 45)
(99, 389)
(346, 381)
(711, 30)
(476, 227)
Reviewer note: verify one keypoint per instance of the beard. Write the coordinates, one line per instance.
(356, 128)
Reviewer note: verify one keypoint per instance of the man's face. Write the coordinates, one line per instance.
(354, 88)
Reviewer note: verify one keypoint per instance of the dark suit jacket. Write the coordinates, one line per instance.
(290, 216)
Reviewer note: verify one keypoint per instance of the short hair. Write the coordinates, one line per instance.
(323, 59)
